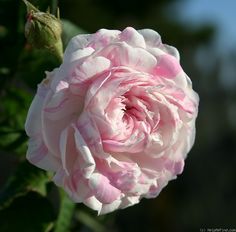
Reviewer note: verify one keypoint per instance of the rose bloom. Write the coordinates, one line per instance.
(115, 121)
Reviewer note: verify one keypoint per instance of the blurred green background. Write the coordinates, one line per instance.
(204, 196)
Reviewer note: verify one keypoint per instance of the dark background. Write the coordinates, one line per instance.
(204, 196)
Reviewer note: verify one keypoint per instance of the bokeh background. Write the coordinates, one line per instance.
(204, 32)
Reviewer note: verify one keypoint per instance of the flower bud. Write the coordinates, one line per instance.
(43, 30)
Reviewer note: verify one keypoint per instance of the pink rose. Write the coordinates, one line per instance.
(115, 121)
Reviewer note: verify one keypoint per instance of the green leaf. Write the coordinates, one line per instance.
(65, 215)
(13, 141)
(13, 110)
(69, 30)
(14, 106)
(27, 178)
(33, 64)
(29, 213)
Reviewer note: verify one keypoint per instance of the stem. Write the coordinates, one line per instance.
(66, 213)
(90, 222)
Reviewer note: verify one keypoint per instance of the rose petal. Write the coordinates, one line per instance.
(107, 208)
(132, 37)
(128, 201)
(91, 67)
(151, 37)
(39, 155)
(102, 189)
(77, 43)
(77, 187)
(89, 163)
(61, 105)
(168, 67)
(172, 51)
(103, 37)
(67, 149)
(122, 54)
(93, 203)
(33, 121)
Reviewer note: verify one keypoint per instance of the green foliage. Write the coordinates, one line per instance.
(28, 213)
(65, 214)
(12, 118)
(25, 193)
(26, 178)
(24, 202)
(27, 204)
(32, 66)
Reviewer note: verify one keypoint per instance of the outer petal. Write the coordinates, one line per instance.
(107, 208)
(132, 37)
(122, 54)
(172, 51)
(37, 152)
(90, 68)
(67, 68)
(93, 203)
(60, 105)
(39, 155)
(76, 46)
(33, 123)
(103, 37)
(129, 201)
(168, 67)
(153, 39)
(60, 109)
